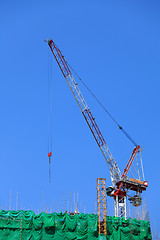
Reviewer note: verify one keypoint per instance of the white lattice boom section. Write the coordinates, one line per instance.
(114, 170)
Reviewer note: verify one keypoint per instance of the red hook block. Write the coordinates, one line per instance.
(49, 154)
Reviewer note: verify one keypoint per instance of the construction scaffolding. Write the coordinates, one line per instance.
(101, 201)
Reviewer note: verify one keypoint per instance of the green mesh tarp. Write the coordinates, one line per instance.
(26, 225)
(121, 229)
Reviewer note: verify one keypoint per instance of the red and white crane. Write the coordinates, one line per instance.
(121, 183)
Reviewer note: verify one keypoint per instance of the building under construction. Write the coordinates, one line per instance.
(59, 226)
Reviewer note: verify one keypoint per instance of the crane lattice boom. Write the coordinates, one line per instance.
(114, 170)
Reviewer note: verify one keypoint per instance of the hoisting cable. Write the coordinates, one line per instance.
(120, 127)
(49, 112)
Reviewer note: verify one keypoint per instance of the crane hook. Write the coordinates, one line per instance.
(49, 155)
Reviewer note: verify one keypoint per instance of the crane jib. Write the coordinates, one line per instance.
(59, 58)
(114, 170)
(94, 127)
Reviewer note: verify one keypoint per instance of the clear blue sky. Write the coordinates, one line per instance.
(114, 47)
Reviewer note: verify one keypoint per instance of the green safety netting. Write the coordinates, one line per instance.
(26, 225)
(121, 229)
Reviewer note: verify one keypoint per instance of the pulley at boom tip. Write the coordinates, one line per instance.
(47, 40)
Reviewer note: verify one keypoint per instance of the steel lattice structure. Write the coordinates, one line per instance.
(101, 200)
(114, 170)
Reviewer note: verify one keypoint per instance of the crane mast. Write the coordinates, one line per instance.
(65, 69)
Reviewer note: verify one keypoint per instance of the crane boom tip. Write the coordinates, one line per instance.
(46, 40)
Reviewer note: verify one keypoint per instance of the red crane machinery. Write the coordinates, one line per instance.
(121, 184)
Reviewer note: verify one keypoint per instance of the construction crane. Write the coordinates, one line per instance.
(121, 183)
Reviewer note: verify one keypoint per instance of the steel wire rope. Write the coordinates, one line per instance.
(49, 109)
(114, 120)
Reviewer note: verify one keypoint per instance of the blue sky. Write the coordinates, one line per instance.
(114, 47)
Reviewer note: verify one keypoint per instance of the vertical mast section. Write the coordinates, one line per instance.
(101, 200)
(114, 170)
